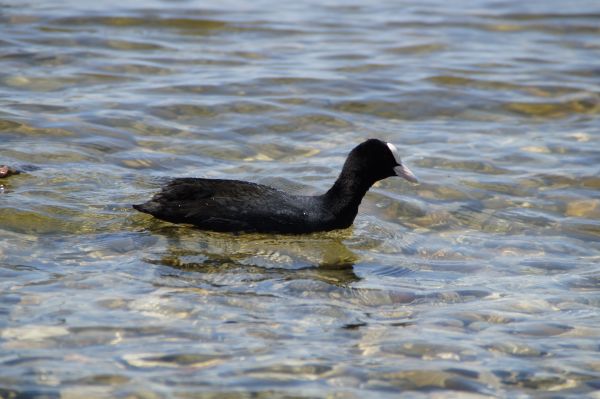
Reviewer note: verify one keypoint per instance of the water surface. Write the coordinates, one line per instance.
(483, 280)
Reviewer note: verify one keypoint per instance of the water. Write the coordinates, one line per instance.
(483, 280)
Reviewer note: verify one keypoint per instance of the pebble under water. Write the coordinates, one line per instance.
(481, 281)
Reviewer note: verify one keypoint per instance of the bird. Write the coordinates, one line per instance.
(241, 206)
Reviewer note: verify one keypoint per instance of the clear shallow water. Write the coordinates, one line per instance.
(483, 280)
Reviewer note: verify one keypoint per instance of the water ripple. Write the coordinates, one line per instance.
(481, 280)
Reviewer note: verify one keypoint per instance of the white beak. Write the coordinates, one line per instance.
(406, 173)
(401, 170)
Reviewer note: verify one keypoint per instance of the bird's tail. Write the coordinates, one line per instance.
(147, 207)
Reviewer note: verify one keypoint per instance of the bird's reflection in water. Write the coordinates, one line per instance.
(318, 256)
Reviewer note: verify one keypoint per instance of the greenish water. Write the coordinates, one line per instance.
(482, 281)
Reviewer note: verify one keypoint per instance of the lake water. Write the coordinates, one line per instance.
(483, 280)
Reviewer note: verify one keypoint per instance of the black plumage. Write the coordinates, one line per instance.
(233, 205)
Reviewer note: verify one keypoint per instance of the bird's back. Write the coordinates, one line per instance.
(233, 205)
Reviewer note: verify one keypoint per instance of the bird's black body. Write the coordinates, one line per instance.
(233, 205)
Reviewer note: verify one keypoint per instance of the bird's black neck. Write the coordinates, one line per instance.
(346, 194)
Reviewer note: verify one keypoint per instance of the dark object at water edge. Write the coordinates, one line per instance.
(6, 171)
(233, 205)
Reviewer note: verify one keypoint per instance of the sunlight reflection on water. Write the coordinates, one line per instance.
(482, 279)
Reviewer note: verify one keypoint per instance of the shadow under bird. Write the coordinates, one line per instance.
(239, 206)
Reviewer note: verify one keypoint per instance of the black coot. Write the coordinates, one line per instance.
(233, 205)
